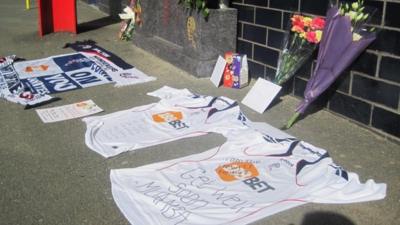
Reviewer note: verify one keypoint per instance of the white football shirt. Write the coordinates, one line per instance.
(248, 178)
(177, 115)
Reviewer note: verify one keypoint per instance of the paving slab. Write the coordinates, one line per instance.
(48, 176)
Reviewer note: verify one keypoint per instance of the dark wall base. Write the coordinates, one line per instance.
(165, 32)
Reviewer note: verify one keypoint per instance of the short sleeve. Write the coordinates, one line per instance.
(349, 190)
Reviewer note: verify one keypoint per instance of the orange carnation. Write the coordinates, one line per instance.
(307, 21)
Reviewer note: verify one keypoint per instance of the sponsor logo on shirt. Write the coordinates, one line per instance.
(237, 171)
(245, 172)
(172, 118)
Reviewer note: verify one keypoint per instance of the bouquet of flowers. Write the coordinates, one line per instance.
(305, 33)
(131, 18)
(345, 36)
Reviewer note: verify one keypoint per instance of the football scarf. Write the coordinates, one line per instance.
(13, 89)
(61, 73)
(90, 66)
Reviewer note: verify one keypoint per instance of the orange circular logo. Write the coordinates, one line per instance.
(237, 171)
(167, 117)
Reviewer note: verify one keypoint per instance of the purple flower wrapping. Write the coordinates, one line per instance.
(337, 51)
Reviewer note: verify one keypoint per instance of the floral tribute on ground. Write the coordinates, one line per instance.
(299, 43)
(344, 38)
(130, 19)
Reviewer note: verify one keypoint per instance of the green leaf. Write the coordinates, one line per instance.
(206, 12)
(355, 5)
(198, 4)
(359, 17)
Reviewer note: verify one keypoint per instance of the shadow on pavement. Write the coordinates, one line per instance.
(325, 218)
(96, 24)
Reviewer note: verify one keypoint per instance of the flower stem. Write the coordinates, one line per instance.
(292, 120)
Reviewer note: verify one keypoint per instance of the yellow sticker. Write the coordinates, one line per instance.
(191, 29)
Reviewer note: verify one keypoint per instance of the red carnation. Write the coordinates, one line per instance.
(317, 23)
(297, 29)
(298, 21)
(311, 36)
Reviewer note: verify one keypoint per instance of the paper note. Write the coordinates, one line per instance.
(218, 71)
(261, 95)
(67, 112)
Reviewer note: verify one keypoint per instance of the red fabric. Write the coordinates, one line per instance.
(57, 16)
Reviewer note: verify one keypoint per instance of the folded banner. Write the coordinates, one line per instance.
(90, 66)
(250, 177)
(178, 115)
(120, 71)
(12, 89)
(61, 73)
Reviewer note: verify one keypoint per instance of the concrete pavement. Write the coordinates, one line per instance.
(49, 176)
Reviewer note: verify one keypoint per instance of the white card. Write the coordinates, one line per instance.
(218, 71)
(261, 95)
(67, 112)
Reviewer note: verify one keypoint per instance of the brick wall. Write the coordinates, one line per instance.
(367, 93)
